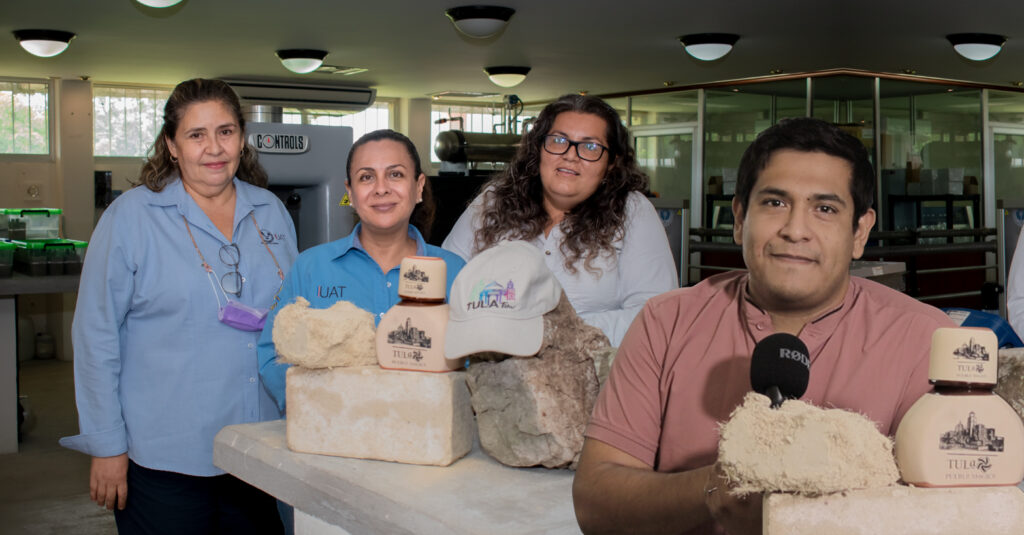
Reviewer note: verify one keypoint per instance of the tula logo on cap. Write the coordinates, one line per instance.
(492, 295)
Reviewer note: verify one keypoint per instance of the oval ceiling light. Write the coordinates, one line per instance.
(301, 60)
(44, 43)
(159, 3)
(480, 22)
(506, 75)
(976, 46)
(708, 46)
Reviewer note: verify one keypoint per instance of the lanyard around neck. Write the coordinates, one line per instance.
(280, 273)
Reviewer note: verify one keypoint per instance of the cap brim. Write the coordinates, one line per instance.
(517, 337)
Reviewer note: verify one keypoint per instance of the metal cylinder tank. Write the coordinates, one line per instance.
(459, 146)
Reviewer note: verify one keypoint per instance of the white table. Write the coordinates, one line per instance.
(335, 495)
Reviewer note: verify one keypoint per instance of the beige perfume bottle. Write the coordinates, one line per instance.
(961, 435)
(410, 336)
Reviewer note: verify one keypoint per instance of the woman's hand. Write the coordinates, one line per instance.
(108, 481)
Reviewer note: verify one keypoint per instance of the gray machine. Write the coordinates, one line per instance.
(306, 165)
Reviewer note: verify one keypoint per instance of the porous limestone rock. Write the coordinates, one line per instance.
(533, 410)
(342, 335)
(1011, 378)
(371, 413)
(802, 449)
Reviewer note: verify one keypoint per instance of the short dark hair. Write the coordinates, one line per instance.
(809, 135)
(423, 214)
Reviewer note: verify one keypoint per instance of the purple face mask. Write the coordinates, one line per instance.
(242, 317)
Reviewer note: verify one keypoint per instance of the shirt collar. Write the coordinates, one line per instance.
(174, 194)
(814, 333)
(344, 245)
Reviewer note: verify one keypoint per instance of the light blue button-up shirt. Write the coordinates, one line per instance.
(156, 374)
(336, 271)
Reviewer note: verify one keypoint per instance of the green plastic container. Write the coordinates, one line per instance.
(6, 258)
(33, 223)
(49, 257)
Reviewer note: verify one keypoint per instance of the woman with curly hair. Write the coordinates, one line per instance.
(573, 190)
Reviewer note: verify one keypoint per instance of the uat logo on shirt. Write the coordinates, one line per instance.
(492, 295)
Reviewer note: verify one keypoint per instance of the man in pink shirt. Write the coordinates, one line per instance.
(803, 211)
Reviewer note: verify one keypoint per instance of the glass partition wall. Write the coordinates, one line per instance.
(929, 139)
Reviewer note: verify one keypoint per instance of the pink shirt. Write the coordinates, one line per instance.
(684, 365)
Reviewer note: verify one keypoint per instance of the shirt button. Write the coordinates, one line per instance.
(759, 326)
(381, 314)
(250, 346)
(252, 379)
(547, 253)
(389, 284)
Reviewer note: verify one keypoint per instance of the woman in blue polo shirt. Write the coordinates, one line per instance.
(388, 189)
(168, 315)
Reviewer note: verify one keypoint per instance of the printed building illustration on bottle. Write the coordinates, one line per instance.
(409, 335)
(973, 436)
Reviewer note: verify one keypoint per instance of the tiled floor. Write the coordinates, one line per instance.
(44, 487)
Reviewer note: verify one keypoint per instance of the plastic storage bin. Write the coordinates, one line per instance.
(33, 223)
(49, 257)
(6, 258)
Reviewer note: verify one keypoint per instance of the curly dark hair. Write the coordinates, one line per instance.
(513, 201)
(160, 168)
(423, 214)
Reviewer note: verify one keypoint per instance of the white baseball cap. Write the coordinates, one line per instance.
(498, 302)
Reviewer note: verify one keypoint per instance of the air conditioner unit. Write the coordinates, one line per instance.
(304, 95)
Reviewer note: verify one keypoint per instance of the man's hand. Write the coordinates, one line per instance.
(108, 481)
(738, 516)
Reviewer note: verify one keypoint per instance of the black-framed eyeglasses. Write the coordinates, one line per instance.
(590, 151)
(231, 282)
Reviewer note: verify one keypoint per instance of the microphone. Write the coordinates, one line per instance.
(780, 368)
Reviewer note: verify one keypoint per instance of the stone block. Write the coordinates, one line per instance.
(1011, 378)
(533, 411)
(371, 413)
(903, 510)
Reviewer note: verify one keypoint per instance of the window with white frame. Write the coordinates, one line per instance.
(126, 120)
(375, 117)
(24, 117)
(480, 119)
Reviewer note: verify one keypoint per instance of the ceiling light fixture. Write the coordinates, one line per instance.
(976, 46)
(159, 3)
(708, 46)
(43, 43)
(301, 60)
(507, 76)
(480, 22)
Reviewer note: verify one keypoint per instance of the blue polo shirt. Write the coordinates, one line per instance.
(336, 271)
(156, 374)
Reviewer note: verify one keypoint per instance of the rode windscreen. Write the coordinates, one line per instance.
(780, 368)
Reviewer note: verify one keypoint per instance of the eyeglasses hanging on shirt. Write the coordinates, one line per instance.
(233, 313)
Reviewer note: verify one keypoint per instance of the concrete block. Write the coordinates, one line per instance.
(903, 510)
(370, 413)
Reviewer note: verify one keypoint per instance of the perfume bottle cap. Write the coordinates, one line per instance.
(963, 355)
(422, 277)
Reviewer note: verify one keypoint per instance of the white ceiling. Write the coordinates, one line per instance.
(600, 46)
